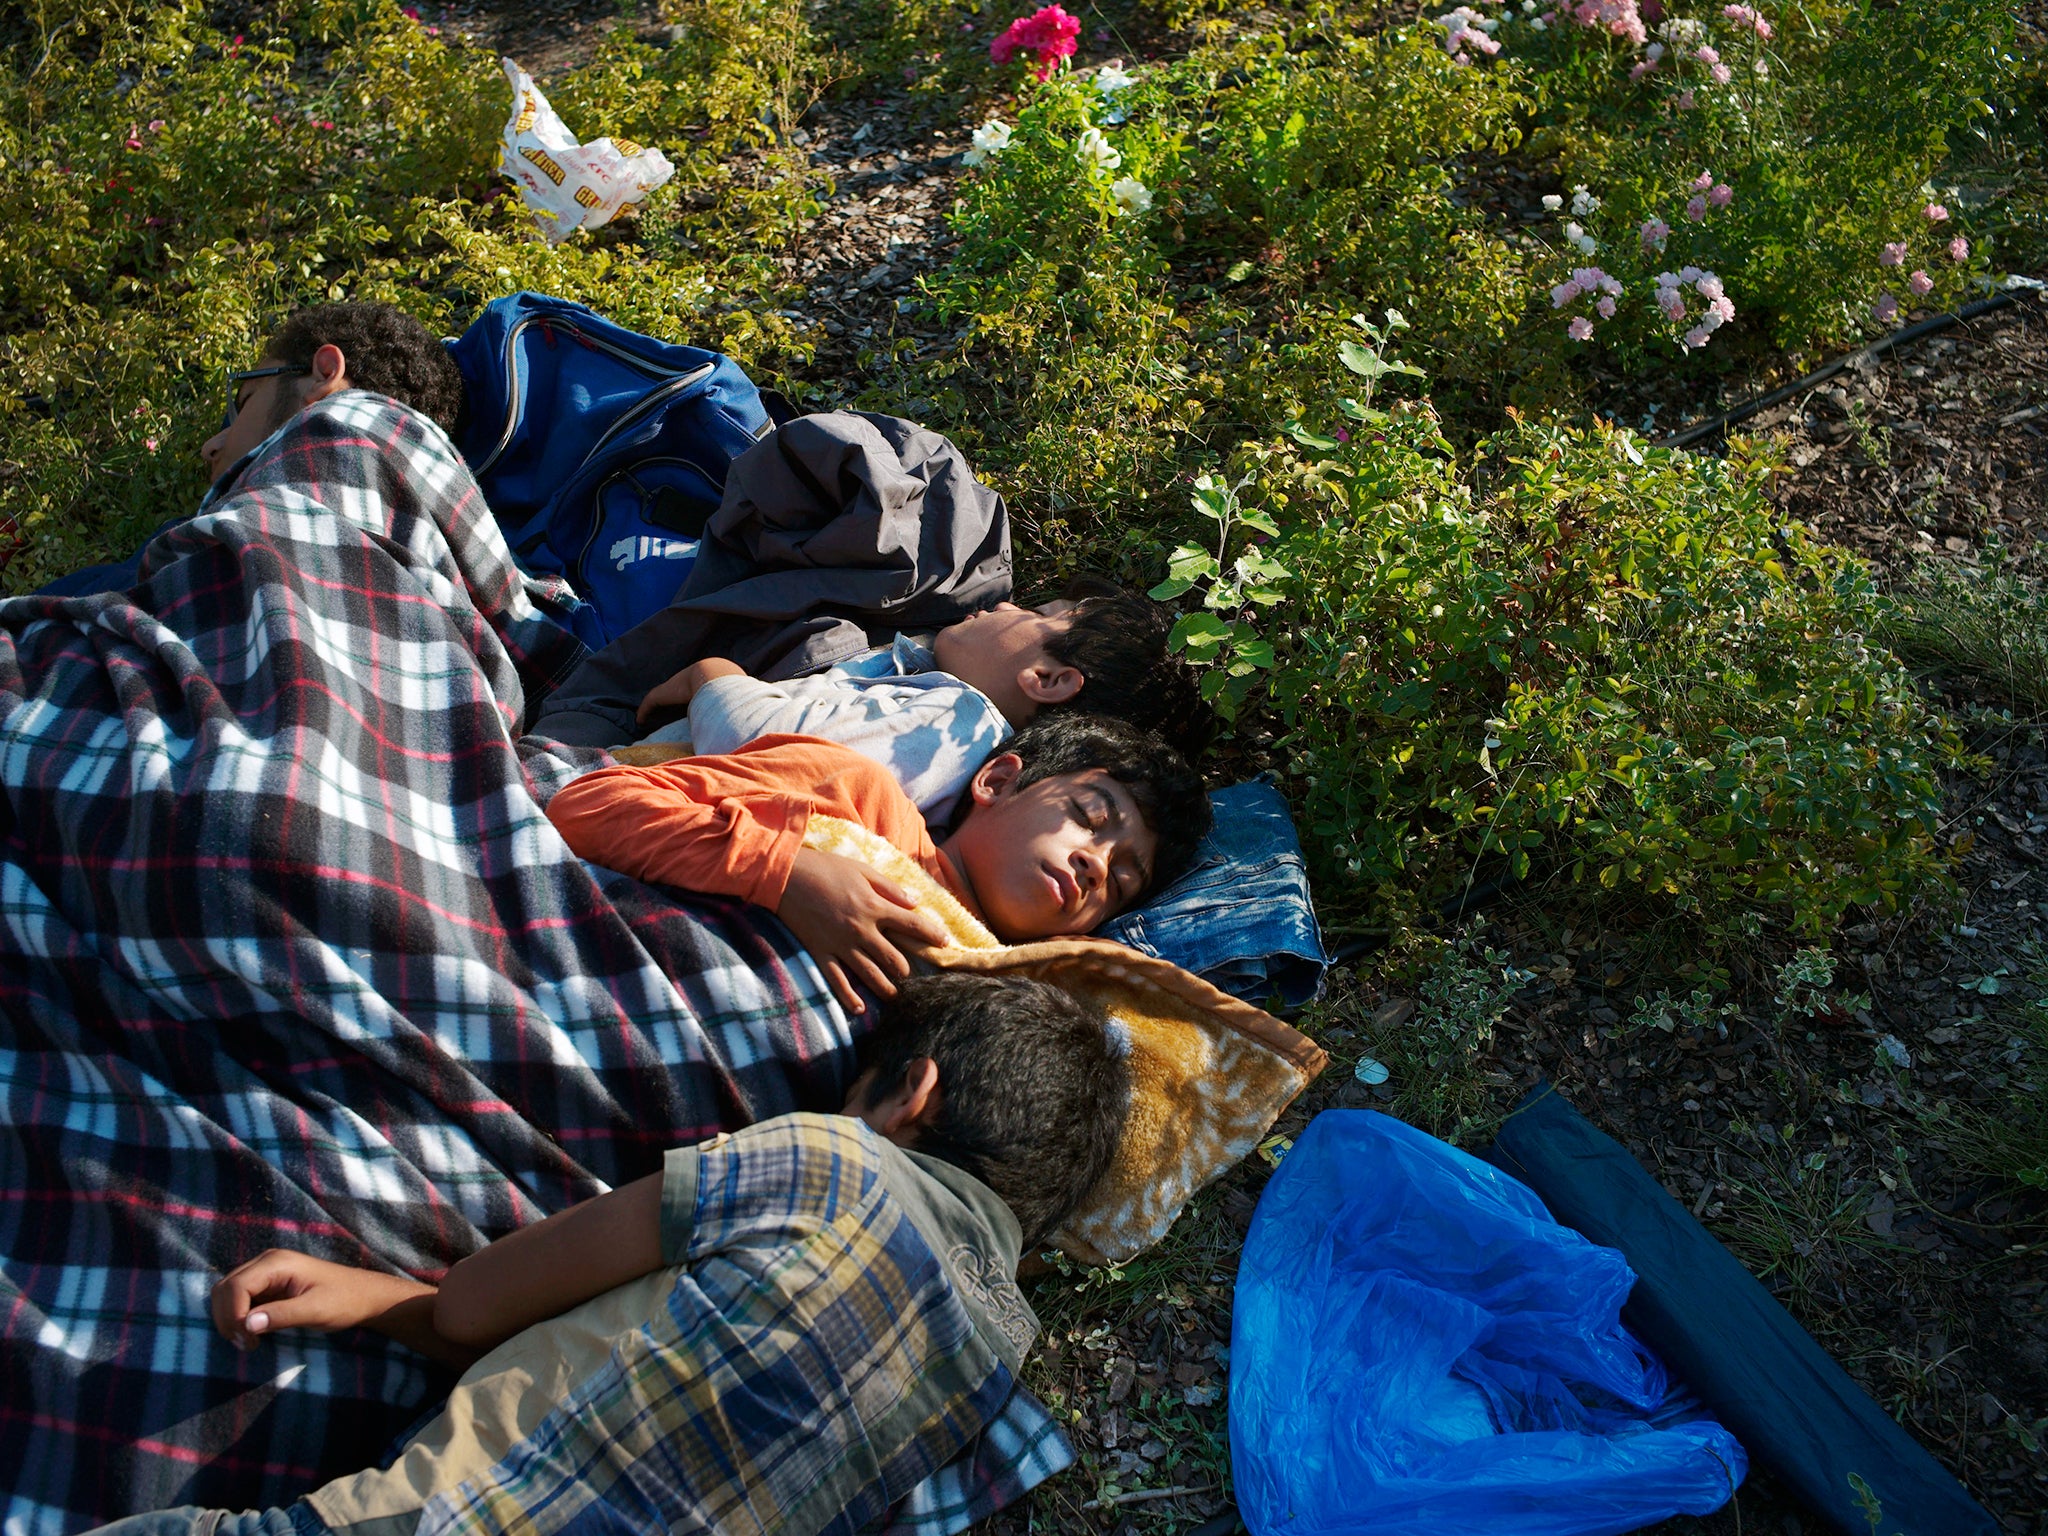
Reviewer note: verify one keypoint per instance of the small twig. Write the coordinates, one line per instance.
(1145, 1495)
(2027, 414)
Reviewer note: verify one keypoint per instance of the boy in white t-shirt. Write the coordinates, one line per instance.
(932, 708)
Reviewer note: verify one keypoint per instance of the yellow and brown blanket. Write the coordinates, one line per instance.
(1209, 1074)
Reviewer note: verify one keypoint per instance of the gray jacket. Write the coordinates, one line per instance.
(836, 531)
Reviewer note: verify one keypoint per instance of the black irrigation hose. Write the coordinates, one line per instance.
(1819, 376)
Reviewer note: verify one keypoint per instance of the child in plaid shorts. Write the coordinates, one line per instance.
(805, 1326)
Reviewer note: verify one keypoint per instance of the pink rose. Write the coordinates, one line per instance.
(1893, 255)
(1936, 214)
(1606, 308)
(1885, 310)
(1722, 195)
(1920, 283)
(1048, 35)
(1959, 249)
(1696, 209)
(1581, 329)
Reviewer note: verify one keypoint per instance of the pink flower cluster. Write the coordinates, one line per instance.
(1655, 233)
(1746, 16)
(1620, 17)
(1466, 28)
(1893, 253)
(1585, 280)
(1582, 281)
(1707, 192)
(1048, 36)
(1671, 300)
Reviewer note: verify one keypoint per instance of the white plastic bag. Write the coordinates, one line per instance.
(571, 186)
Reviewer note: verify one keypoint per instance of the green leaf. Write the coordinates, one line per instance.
(1198, 634)
(1168, 590)
(1309, 439)
(1212, 499)
(1362, 360)
(1259, 653)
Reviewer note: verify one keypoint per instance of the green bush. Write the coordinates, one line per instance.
(1573, 659)
(1827, 156)
(168, 192)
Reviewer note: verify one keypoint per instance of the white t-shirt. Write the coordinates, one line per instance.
(928, 728)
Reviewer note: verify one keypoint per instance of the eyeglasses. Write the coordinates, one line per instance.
(237, 380)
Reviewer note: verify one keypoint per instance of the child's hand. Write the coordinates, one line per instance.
(676, 693)
(844, 914)
(282, 1289)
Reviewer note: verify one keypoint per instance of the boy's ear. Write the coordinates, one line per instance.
(329, 375)
(1050, 682)
(910, 1107)
(993, 778)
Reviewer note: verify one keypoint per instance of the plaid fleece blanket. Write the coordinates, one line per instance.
(290, 955)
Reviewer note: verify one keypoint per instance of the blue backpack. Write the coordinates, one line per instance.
(601, 451)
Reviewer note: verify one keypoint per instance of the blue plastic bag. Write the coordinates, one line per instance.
(1418, 1347)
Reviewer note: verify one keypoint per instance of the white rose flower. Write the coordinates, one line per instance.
(1132, 195)
(1552, 202)
(991, 138)
(1113, 77)
(1096, 154)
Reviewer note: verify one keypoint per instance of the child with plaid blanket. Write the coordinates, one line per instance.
(788, 1329)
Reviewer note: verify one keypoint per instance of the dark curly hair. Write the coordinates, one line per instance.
(1032, 1094)
(1169, 793)
(388, 352)
(1118, 643)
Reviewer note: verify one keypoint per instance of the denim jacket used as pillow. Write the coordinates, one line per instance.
(1240, 918)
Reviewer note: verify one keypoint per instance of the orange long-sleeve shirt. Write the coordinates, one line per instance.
(732, 825)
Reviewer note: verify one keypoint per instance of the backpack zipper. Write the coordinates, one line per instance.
(512, 380)
(644, 406)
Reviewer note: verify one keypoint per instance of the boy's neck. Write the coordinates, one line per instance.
(962, 885)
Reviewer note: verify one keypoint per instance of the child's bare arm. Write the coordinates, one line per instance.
(543, 1270)
(675, 694)
(282, 1289)
(523, 1278)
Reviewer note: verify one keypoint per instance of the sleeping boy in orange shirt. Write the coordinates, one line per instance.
(1071, 823)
